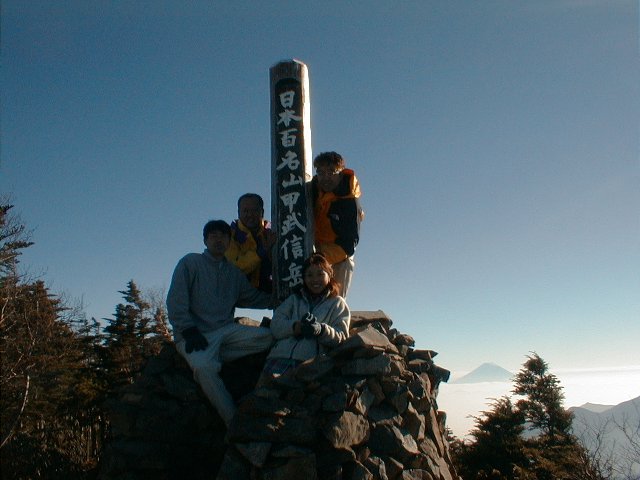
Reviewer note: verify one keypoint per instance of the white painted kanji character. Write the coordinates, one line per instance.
(296, 246)
(285, 251)
(295, 275)
(290, 160)
(290, 222)
(287, 139)
(286, 98)
(287, 116)
(293, 180)
(290, 200)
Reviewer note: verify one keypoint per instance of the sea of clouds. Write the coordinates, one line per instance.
(606, 386)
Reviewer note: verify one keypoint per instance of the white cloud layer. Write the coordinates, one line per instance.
(601, 386)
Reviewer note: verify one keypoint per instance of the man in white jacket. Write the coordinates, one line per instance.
(205, 290)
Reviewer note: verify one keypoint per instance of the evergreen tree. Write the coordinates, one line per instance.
(42, 410)
(15, 378)
(13, 239)
(47, 404)
(92, 387)
(132, 336)
(499, 449)
(57, 367)
(543, 398)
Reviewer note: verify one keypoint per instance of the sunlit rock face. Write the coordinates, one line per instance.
(367, 410)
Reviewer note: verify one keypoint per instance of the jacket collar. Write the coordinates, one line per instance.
(238, 225)
(208, 255)
(320, 298)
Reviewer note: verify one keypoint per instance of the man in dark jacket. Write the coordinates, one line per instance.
(337, 215)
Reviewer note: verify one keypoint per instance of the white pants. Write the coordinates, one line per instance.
(342, 272)
(225, 344)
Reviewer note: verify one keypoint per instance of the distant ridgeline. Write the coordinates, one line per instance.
(367, 410)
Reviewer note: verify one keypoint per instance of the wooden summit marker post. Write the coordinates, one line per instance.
(291, 173)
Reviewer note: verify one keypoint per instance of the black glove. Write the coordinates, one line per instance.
(194, 340)
(309, 326)
(308, 317)
(266, 322)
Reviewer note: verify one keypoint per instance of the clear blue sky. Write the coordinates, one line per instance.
(496, 143)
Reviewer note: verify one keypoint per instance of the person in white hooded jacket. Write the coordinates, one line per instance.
(308, 322)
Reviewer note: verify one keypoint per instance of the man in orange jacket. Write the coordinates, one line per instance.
(337, 215)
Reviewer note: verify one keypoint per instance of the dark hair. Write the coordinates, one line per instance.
(319, 260)
(329, 159)
(252, 195)
(216, 226)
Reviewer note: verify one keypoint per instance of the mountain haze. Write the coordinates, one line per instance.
(603, 433)
(487, 372)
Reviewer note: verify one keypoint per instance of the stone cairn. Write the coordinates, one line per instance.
(367, 410)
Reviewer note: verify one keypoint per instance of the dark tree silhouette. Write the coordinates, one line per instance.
(500, 450)
(543, 398)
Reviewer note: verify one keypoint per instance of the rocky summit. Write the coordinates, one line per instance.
(367, 410)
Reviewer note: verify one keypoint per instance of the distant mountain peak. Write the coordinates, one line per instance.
(487, 372)
(609, 424)
(595, 407)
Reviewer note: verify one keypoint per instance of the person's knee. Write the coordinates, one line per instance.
(201, 364)
(265, 336)
(257, 336)
(198, 370)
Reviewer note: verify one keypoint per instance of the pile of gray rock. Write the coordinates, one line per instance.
(367, 410)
